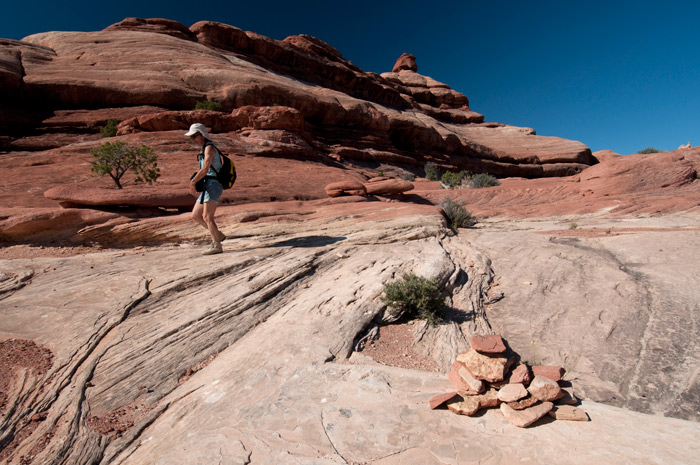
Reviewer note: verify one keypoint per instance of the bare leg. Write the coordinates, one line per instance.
(198, 214)
(210, 224)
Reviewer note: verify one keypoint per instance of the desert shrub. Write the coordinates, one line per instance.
(457, 215)
(650, 150)
(454, 180)
(406, 176)
(115, 159)
(483, 180)
(415, 296)
(432, 172)
(573, 225)
(109, 129)
(208, 105)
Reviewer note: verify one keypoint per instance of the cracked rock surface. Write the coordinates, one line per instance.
(162, 356)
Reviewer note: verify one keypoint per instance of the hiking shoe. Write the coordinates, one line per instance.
(213, 249)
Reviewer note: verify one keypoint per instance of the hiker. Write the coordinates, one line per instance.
(210, 163)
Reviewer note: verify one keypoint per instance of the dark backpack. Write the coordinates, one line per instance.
(227, 174)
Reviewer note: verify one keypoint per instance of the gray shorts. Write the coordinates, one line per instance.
(212, 191)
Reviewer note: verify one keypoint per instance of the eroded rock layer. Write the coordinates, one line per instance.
(399, 117)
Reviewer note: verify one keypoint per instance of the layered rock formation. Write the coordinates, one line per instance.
(400, 117)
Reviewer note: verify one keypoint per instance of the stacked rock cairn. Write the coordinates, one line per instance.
(483, 378)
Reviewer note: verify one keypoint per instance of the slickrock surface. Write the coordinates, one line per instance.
(244, 358)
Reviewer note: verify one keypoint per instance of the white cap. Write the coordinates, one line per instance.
(198, 128)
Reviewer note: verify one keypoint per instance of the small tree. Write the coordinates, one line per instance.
(208, 105)
(109, 129)
(115, 159)
(650, 150)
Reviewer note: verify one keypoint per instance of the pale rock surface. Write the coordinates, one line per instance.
(638, 349)
(185, 362)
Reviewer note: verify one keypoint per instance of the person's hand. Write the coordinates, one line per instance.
(193, 190)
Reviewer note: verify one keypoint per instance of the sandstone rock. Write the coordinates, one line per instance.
(526, 417)
(467, 405)
(488, 344)
(512, 392)
(489, 398)
(277, 117)
(215, 121)
(349, 187)
(463, 380)
(157, 25)
(405, 61)
(75, 195)
(548, 371)
(569, 413)
(544, 389)
(388, 187)
(440, 399)
(568, 397)
(529, 401)
(484, 367)
(521, 374)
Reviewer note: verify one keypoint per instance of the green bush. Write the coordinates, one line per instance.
(432, 172)
(115, 159)
(415, 296)
(483, 180)
(650, 150)
(454, 180)
(457, 215)
(109, 129)
(208, 105)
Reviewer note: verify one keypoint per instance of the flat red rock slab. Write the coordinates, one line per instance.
(488, 344)
(440, 399)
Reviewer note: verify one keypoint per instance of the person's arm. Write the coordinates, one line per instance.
(209, 153)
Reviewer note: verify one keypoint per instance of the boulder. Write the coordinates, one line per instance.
(485, 367)
(512, 392)
(567, 397)
(349, 187)
(405, 61)
(488, 344)
(568, 412)
(388, 187)
(463, 380)
(526, 417)
(549, 371)
(544, 389)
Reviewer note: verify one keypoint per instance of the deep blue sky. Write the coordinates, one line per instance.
(619, 75)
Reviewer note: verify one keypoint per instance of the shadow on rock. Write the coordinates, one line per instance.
(308, 241)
